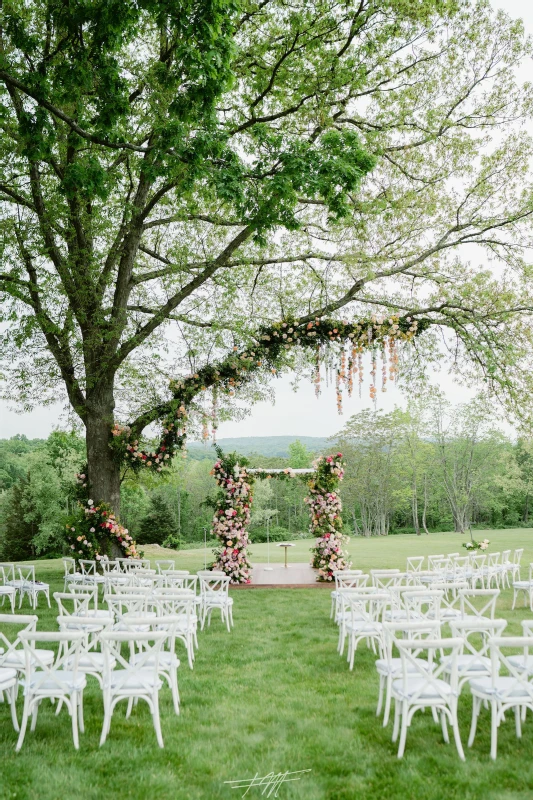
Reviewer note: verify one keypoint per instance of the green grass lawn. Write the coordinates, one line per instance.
(272, 696)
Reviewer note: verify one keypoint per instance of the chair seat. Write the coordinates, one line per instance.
(414, 685)
(467, 663)
(7, 590)
(213, 600)
(7, 677)
(501, 687)
(91, 662)
(145, 680)
(166, 660)
(394, 666)
(365, 627)
(36, 586)
(69, 683)
(16, 658)
(522, 584)
(525, 664)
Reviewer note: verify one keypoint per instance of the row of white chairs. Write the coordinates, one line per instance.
(430, 670)
(147, 622)
(20, 578)
(483, 569)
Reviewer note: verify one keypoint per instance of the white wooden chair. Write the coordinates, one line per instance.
(506, 569)
(517, 560)
(7, 590)
(71, 572)
(421, 686)
(168, 660)
(365, 620)
(180, 605)
(477, 563)
(127, 679)
(12, 651)
(32, 587)
(415, 564)
(90, 574)
(449, 608)
(214, 593)
(474, 659)
(91, 660)
(526, 587)
(345, 579)
(388, 665)
(485, 605)
(503, 692)
(54, 681)
(165, 564)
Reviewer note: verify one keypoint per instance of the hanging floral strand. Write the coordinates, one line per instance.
(384, 366)
(214, 415)
(317, 372)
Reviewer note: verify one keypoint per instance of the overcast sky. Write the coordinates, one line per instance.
(299, 413)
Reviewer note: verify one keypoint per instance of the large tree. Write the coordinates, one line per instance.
(173, 174)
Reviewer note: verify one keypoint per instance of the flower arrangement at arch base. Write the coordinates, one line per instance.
(232, 517)
(325, 507)
(90, 531)
(473, 545)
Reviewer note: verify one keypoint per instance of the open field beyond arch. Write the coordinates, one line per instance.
(273, 696)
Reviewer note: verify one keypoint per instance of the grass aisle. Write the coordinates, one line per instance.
(271, 696)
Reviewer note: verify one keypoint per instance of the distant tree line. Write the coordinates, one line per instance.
(431, 467)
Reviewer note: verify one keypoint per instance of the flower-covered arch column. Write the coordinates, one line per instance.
(233, 503)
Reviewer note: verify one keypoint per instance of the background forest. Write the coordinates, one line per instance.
(431, 467)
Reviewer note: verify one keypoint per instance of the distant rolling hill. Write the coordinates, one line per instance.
(264, 445)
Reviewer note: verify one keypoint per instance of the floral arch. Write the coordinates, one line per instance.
(233, 506)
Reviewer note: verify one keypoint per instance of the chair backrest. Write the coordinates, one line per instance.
(450, 597)
(433, 559)
(130, 564)
(517, 556)
(519, 689)
(506, 556)
(172, 602)
(422, 603)
(382, 580)
(132, 604)
(84, 589)
(365, 606)
(427, 672)
(165, 564)
(69, 566)
(413, 629)
(88, 567)
(214, 582)
(494, 559)
(51, 679)
(345, 580)
(70, 603)
(477, 561)
(8, 571)
(131, 590)
(415, 563)
(124, 673)
(486, 606)
(476, 634)
(27, 573)
(14, 624)
(110, 567)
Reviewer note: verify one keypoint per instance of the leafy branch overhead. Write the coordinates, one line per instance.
(176, 175)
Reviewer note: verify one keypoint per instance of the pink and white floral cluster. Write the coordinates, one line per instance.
(91, 529)
(325, 507)
(231, 520)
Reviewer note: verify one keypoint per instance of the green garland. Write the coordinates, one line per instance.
(269, 351)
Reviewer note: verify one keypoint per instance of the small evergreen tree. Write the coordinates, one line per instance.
(17, 539)
(159, 522)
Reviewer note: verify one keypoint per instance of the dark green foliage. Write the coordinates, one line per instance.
(17, 533)
(159, 523)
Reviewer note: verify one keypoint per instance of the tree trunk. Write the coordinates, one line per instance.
(103, 466)
(424, 524)
(414, 505)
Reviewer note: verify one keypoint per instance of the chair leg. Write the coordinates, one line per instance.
(34, 717)
(396, 727)
(380, 695)
(157, 721)
(74, 717)
(130, 707)
(81, 721)
(476, 706)
(12, 694)
(388, 697)
(107, 721)
(518, 724)
(24, 723)
(403, 731)
(444, 727)
(493, 731)
(456, 733)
